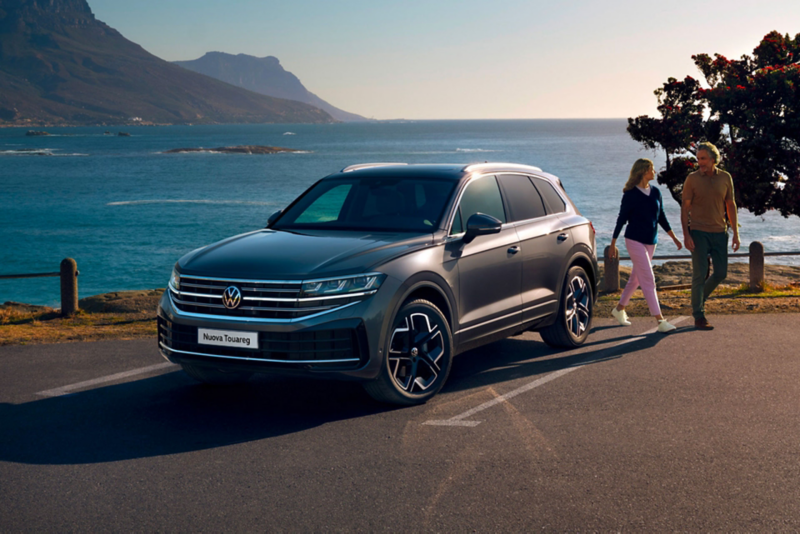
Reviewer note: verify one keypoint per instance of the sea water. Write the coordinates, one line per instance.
(126, 211)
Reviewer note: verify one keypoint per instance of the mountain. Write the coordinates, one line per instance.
(263, 75)
(60, 65)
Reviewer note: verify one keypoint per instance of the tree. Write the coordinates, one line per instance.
(750, 109)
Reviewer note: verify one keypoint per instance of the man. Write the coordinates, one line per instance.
(707, 197)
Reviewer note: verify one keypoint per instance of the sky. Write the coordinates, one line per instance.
(463, 59)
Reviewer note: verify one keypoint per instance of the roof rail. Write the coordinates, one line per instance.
(368, 165)
(495, 165)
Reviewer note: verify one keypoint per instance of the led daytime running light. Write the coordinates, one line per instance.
(175, 280)
(339, 286)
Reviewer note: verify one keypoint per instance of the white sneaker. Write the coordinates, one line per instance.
(664, 326)
(620, 316)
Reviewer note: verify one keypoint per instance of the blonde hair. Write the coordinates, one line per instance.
(640, 167)
(711, 150)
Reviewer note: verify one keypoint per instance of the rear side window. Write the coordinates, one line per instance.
(482, 196)
(522, 197)
(555, 204)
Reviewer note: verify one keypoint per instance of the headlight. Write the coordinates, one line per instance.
(175, 280)
(365, 283)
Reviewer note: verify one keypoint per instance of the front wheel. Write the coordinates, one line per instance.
(418, 358)
(575, 312)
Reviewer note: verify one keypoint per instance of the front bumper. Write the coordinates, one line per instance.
(343, 343)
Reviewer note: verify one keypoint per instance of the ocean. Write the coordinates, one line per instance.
(126, 211)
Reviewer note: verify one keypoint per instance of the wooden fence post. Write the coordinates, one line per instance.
(756, 266)
(69, 287)
(611, 270)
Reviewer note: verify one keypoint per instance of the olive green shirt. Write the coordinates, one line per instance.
(708, 195)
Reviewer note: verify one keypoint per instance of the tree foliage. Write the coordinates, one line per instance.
(750, 109)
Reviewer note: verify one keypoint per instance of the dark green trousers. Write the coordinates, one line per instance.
(707, 244)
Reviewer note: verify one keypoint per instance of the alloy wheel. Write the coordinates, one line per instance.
(416, 349)
(576, 310)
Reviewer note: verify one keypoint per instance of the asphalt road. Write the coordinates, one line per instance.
(690, 431)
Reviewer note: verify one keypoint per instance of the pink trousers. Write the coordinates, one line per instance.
(641, 275)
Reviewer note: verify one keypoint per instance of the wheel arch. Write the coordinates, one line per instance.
(425, 285)
(427, 288)
(583, 261)
(582, 256)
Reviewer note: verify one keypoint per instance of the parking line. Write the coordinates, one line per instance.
(461, 419)
(64, 390)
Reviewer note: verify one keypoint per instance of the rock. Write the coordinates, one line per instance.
(36, 133)
(245, 149)
(143, 301)
(20, 307)
(673, 273)
(123, 134)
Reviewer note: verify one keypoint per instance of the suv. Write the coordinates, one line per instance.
(382, 273)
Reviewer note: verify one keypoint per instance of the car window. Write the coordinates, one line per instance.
(412, 204)
(458, 225)
(482, 196)
(327, 207)
(523, 199)
(554, 202)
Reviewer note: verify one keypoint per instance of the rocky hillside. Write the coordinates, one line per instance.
(60, 65)
(263, 75)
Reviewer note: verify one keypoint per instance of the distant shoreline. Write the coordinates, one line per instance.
(377, 121)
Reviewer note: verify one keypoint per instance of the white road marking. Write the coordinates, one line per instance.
(460, 419)
(63, 390)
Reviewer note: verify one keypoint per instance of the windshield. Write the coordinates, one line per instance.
(375, 204)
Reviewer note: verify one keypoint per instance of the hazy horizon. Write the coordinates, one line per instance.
(462, 59)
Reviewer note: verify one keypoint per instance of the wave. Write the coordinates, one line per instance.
(782, 238)
(39, 152)
(184, 201)
(289, 133)
(190, 151)
(79, 135)
(475, 150)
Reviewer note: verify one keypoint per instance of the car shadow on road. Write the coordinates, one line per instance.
(169, 414)
(514, 358)
(172, 414)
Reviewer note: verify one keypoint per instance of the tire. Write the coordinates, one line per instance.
(575, 312)
(215, 377)
(419, 354)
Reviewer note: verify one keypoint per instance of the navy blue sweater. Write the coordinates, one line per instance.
(643, 213)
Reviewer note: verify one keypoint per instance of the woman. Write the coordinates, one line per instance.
(643, 210)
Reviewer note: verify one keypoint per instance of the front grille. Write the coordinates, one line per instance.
(276, 300)
(341, 347)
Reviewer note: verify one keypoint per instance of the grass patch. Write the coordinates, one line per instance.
(19, 327)
(767, 291)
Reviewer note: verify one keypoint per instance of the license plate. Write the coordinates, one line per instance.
(227, 338)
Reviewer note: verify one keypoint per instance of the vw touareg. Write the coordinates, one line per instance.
(382, 273)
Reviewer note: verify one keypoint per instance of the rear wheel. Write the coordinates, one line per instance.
(418, 359)
(215, 377)
(575, 312)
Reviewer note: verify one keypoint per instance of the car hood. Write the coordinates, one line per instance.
(276, 255)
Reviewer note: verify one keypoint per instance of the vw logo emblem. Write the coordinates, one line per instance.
(231, 297)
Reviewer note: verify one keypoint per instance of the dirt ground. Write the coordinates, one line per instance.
(131, 314)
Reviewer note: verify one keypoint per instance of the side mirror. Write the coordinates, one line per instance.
(273, 218)
(481, 224)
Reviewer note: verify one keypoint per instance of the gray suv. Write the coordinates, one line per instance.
(382, 273)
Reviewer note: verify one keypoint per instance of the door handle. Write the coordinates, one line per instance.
(562, 237)
(513, 250)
